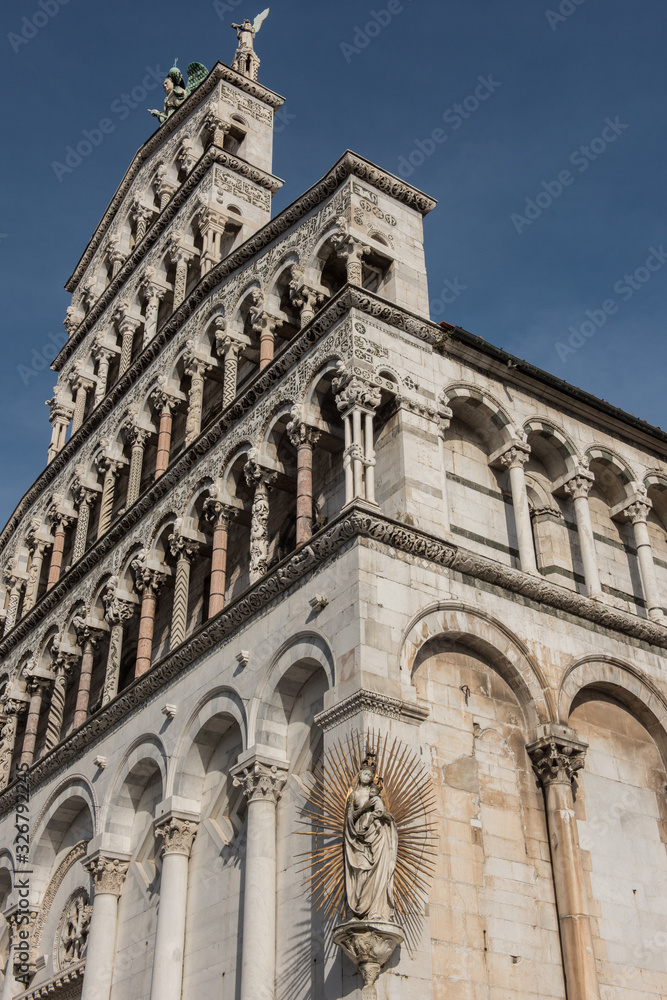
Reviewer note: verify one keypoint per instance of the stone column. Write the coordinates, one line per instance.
(308, 300)
(9, 720)
(85, 498)
(165, 189)
(445, 416)
(128, 326)
(60, 417)
(165, 403)
(181, 257)
(556, 757)
(36, 687)
(514, 460)
(80, 387)
(109, 469)
(353, 250)
(34, 574)
(183, 549)
(147, 583)
(88, 637)
(357, 402)
(262, 782)
(103, 356)
(108, 875)
(116, 256)
(117, 613)
(219, 514)
(195, 368)
(217, 129)
(303, 438)
(578, 487)
(63, 665)
(211, 227)
(60, 522)
(638, 512)
(142, 217)
(261, 480)
(137, 436)
(265, 326)
(153, 295)
(16, 584)
(177, 835)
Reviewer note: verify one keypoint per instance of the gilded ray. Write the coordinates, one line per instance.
(406, 787)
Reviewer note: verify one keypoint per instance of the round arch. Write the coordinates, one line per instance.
(481, 632)
(142, 758)
(305, 652)
(221, 702)
(623, 682)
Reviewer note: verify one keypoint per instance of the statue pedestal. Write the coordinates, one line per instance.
(369, 944)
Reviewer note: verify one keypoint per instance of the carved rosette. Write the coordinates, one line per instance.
(177, 835)
(261, 781)
(556, 759)
(108, 874)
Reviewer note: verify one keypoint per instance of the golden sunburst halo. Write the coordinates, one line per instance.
(408, 793)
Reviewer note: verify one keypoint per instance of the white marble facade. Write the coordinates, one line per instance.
(281, 505)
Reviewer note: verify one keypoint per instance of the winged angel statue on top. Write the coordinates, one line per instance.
(176, 89)
(246, 61)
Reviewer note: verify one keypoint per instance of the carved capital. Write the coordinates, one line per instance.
(580, 485)
(260, 781)
(351, 391)
(137, 436)
(182, 547)
(255, 474)
(177, 835)
(86, 632)
(556, 758)
(163, 400)
(117, 611)
(218, 512)
(299, 432)
(146, 579)
(108, 874)
(516, 456)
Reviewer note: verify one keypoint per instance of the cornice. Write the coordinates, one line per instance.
(219, 72)
(348, 297)
(371, 701)
(353, 522)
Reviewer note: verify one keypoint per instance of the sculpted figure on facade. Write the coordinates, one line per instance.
(371, 847)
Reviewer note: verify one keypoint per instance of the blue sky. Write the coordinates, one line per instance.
(568, 127)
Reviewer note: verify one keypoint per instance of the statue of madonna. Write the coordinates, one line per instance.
(371, 847)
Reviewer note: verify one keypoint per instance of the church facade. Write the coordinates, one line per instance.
(283, 510)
